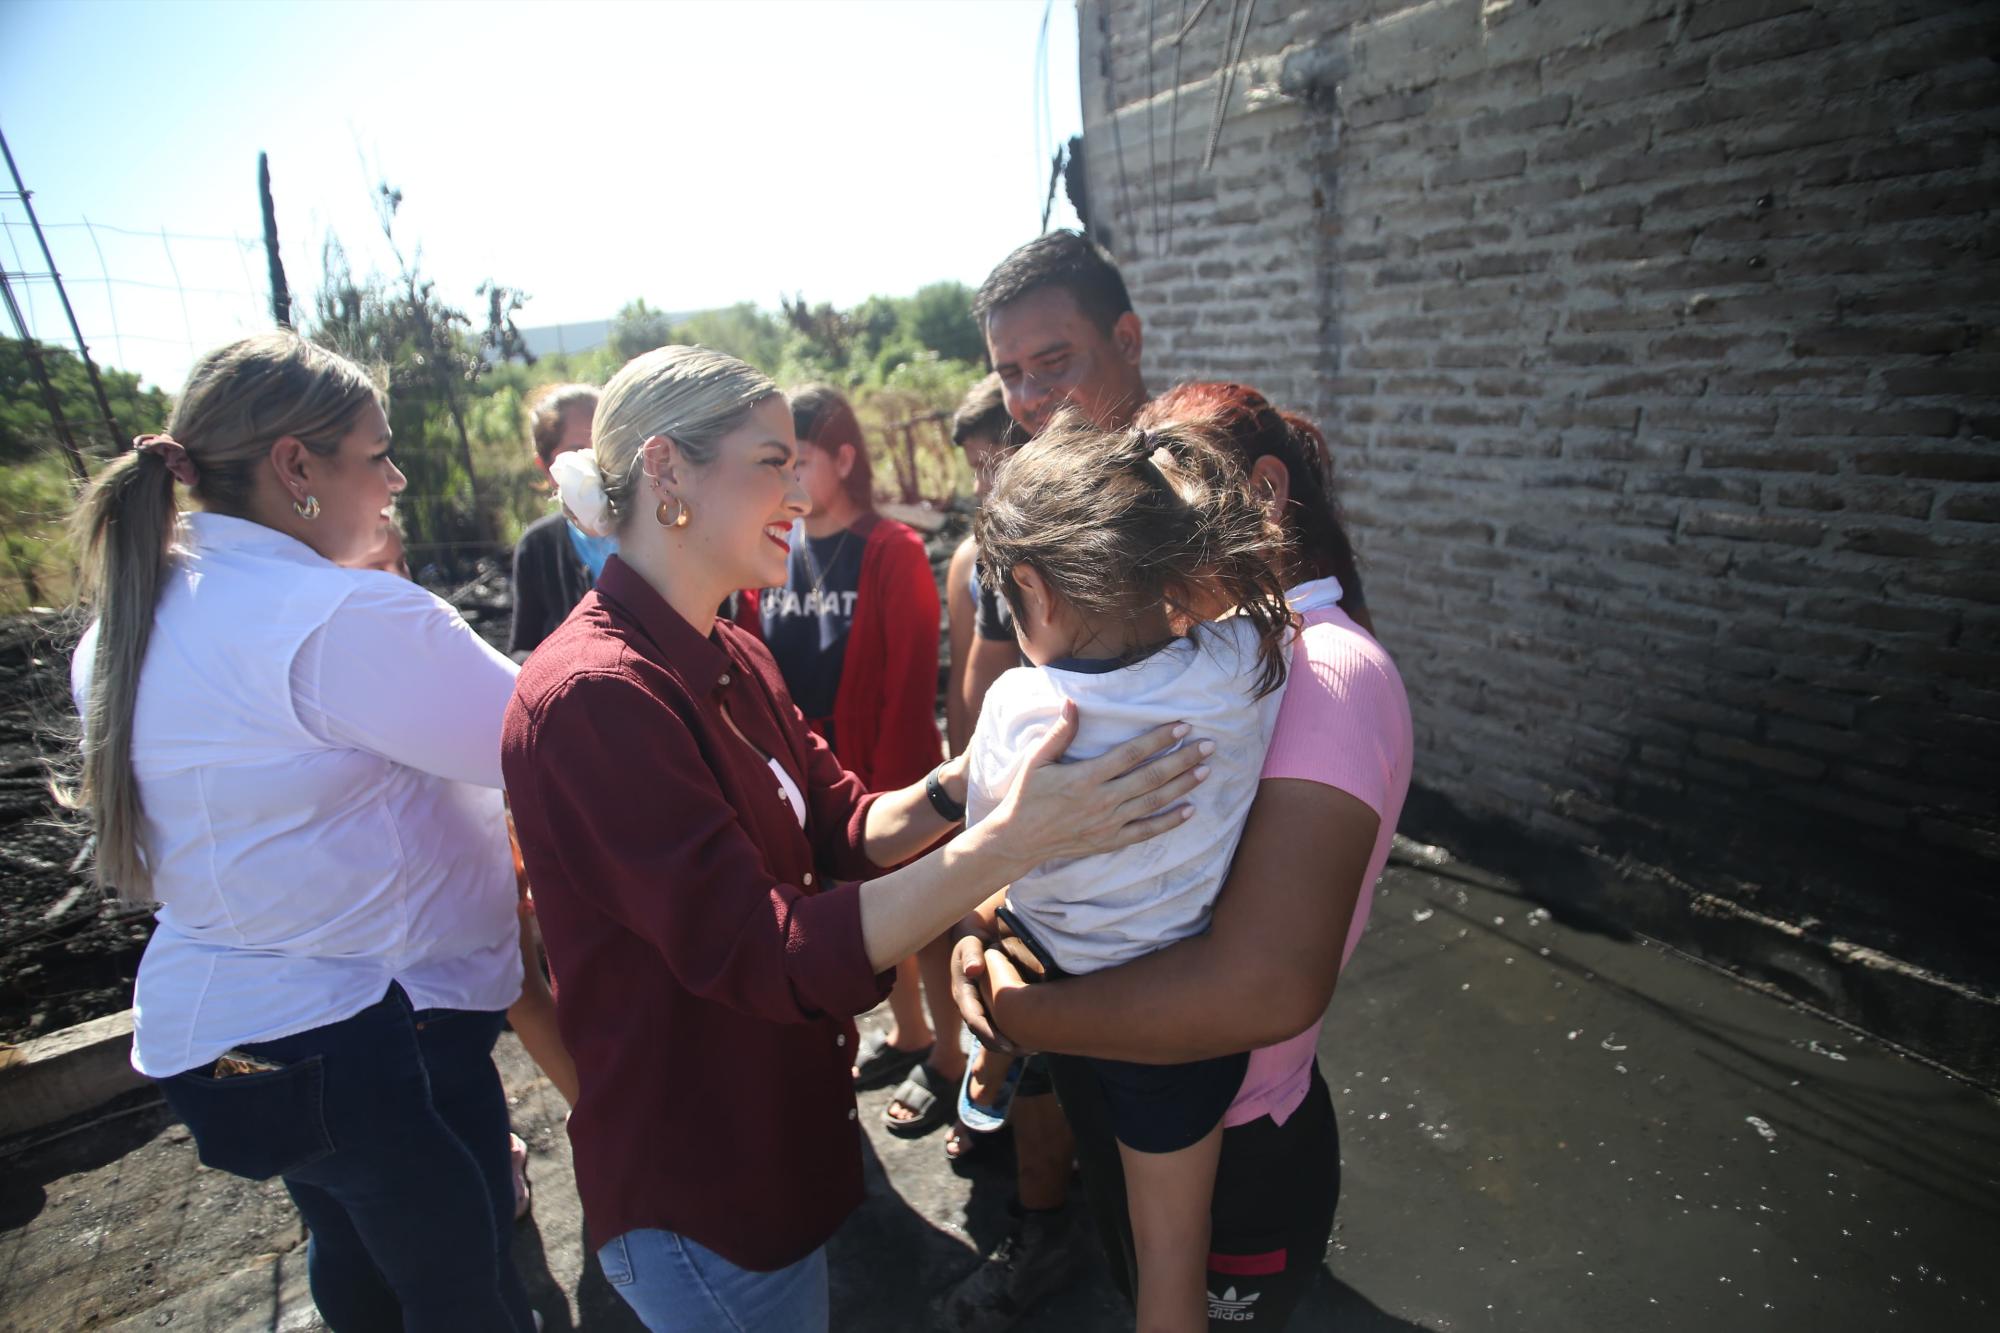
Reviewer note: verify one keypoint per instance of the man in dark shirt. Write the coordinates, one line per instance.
(550, 573)
(549, 579)
(1060, 330)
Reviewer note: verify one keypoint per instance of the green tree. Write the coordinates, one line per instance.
(35, 499)
(433, 364)
(875, 322)
(940, 317)
(742, 330)
(25, 429)
(910, 413)
(638, 329)
(502, 341)
(823, 338)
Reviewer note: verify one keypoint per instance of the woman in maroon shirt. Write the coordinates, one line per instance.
(695, 850)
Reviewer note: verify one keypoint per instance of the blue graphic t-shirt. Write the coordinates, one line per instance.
(806, 621)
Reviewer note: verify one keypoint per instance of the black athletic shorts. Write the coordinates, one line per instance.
(1151, 1108)
(1272, 1215)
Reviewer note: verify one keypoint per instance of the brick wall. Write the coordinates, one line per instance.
(1659, 343)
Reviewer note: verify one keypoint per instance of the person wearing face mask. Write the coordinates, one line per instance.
(299, 765)
(855, 631)
(710, 881)
(554, 564)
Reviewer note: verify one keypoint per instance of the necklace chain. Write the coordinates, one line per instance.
(812, 564)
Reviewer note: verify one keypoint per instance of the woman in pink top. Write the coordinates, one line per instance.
(1289, 916)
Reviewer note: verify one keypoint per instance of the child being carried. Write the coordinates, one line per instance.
(1144, 583)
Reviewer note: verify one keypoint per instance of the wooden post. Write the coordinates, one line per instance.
(281, 291)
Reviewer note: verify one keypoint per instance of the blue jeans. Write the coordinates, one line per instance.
(390, 1130)
(677, 1286)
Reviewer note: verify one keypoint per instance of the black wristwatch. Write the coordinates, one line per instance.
(940, 799)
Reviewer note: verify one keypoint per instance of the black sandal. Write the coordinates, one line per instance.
(927, 1093)
(878, 1064)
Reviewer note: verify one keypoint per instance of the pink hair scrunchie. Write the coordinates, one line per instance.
(171, 452)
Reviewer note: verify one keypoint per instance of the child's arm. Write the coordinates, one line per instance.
(987, 915)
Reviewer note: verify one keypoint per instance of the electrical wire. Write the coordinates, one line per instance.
(1226, 77)
(1174, 118)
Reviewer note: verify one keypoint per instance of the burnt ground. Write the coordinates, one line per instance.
(1543, 1125)
(66, 954)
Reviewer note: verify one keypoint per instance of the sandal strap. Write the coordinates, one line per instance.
(921, 1089)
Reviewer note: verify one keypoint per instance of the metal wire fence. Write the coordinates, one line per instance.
(149, 299)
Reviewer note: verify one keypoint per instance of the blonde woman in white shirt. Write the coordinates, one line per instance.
(300, 765)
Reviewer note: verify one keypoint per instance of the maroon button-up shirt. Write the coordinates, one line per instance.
(710, 963)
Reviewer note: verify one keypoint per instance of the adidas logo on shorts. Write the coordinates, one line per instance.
(1231, 1308)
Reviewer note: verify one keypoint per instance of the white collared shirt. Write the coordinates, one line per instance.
(1100, 911)
(318, 757)
(1314, 595)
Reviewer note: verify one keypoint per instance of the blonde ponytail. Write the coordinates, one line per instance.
(239, 401)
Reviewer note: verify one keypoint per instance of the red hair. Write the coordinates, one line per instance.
(1250, 428)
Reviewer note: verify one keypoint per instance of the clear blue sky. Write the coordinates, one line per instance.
(693, 154)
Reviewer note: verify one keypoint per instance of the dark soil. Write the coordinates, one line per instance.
(66, 955)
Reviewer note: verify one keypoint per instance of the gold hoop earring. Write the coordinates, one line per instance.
(307, 508)
(681, 513)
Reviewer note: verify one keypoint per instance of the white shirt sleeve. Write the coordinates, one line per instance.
(396, 672)
(82, 667)
(1020, 707)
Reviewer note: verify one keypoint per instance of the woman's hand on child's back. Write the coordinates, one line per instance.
(1057, 811)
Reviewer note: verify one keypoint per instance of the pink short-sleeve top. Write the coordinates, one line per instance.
(1345, 722)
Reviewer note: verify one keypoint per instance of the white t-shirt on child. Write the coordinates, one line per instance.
(1099, 911)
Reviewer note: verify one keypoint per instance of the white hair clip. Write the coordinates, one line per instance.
(1161, 459)
(580, 487)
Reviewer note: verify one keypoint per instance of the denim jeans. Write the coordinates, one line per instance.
(677, 1286)
(390, 1130)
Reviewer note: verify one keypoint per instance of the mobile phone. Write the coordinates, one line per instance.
(233, 1062)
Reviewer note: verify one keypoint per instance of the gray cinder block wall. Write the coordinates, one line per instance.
(1657, 342)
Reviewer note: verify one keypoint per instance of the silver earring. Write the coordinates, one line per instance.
(307, 508)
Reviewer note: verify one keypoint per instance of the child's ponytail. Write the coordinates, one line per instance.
(1230, 554)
